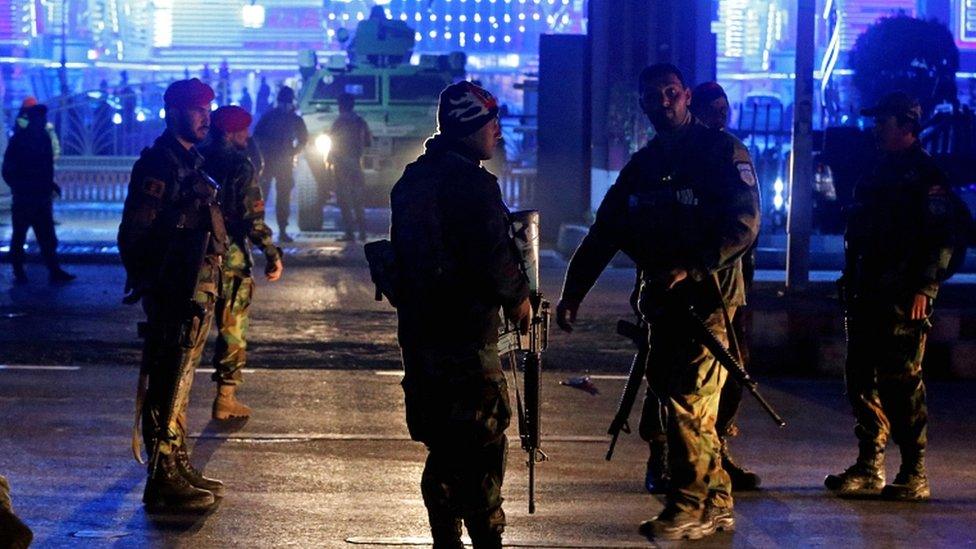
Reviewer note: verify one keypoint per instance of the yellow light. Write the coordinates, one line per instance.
(323, 144)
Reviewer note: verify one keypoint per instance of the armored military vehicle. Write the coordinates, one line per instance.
(396, 98)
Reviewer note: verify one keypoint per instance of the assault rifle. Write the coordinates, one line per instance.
(525, 352)
(674, 303)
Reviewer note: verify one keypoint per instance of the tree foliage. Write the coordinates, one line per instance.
(904, 53)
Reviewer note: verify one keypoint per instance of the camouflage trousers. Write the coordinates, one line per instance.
(232, 316)
(687, 382)
(457, 404)
(883, 374)
(654, 413)
(5, 504)
(170, 357)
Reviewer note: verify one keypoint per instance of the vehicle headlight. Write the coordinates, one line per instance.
(323, 144)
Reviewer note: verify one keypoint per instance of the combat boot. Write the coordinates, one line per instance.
(743, 480)
(226, 405)
(866, 476)
(656, 477)
(167, 489)
(446, 533)
(673, 524)
(57, 275)
(20, 275)
(911, 482)
(13, 532)
(195, 477)
(718, 519)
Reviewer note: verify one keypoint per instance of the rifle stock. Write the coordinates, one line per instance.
(621, 421)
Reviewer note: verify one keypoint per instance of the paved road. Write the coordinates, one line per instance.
(315, 317)
(326, 462)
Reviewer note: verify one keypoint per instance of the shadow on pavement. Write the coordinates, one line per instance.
(208, 443)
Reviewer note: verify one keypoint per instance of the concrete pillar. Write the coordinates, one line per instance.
(800, 221)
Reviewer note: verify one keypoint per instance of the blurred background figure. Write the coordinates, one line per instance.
(245, 101)
(281, 135)
(350, 137)
(263, 99)
(28, 168)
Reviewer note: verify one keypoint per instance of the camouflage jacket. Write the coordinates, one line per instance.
(242, 205)
(168, 191)
(689, 199)
(896, 241)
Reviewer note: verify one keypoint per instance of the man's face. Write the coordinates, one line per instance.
(238, 139)
(193, 123)
(484, 140)
(665, 102)
(889, 135)
(716, 116)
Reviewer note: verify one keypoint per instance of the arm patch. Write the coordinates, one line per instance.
(746, 173)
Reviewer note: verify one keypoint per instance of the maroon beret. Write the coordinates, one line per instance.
(230, 119)
(188, 93)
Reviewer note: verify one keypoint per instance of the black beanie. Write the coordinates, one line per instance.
(286, 96)
(463, 108)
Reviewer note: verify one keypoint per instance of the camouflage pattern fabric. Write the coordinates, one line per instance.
(884, 378)
(5, 504)
(232, 316)
(689, 381)
(457, 404)
(162, 351)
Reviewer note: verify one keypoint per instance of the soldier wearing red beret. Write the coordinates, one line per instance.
(171, 241)
(242, 204)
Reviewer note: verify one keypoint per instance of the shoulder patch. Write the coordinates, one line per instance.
(746, 173)
(258, 206)
(153, 187)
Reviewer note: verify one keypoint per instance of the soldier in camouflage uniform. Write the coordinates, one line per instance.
(898, 251)
(14, 534)
(685, 208)
(458, 266)
(709, 104)
(168, 222)
(243, 207)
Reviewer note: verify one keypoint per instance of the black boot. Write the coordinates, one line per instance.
(743, 480)
(168, 490)
(866, 476)
(13, 532)
(57, 275)
(911, 482)
(656, 477)
(20, 275)
(195, 477)
(446, 532)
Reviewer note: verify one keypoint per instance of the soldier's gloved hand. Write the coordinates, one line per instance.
(566, 313)
(273, 269)
(520, 315)
(920, 307)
